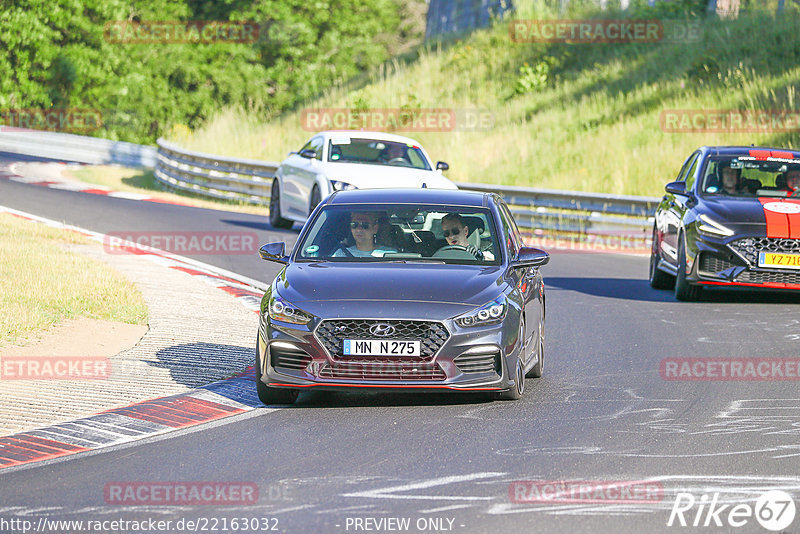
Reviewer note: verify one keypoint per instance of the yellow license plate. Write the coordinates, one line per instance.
(780, 261)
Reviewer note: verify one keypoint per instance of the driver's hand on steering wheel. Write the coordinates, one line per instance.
(474, 251)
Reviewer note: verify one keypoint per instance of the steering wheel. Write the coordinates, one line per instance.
(401, 160)
(452, 247)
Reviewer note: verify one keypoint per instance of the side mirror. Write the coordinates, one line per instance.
(274, 252)
(442, 166)
(531, 257)
(676, 188)
(292, 152)
(308, 153)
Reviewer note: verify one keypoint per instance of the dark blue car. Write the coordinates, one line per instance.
(730, 218)
(417, 289)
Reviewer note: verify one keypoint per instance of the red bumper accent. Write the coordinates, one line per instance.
(772, 285)
(410, 386)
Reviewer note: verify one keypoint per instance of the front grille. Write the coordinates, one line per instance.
(749, 247)
(382, 370)
(431, 334)
(761, 277)
(712, 264)
(289, 358)
(478, 363)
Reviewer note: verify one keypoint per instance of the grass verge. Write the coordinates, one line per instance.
(130, 180)
(42, 283)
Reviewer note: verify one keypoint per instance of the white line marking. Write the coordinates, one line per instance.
(389, 493)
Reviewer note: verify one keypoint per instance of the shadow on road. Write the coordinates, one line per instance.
(639, 289)
(256, 225)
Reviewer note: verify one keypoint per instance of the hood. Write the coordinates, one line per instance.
(366, 176)
(329, 289)
(770, 216)
(735, 210)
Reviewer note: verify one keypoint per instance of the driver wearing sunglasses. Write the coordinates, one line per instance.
(363, 228)
(455, 231)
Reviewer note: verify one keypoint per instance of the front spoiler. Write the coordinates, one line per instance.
(418, 387)
(766, 285)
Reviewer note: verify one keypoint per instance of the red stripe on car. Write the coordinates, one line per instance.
(777, 223)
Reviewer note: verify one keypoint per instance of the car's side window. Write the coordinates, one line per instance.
(684, 170)
(306, 146)
(510, 232)
(690, 174)
(316, 145)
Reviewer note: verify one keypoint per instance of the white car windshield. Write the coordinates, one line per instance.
(423, 233)
(377, 152)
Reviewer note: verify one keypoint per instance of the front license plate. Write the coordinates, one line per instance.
(380, 347)
(780, 261)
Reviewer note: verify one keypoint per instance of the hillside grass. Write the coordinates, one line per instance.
(578, 117)
(41, 282)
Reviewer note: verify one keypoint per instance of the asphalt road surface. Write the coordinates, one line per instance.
(365, 462)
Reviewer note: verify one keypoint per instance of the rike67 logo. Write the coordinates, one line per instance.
(774, 510)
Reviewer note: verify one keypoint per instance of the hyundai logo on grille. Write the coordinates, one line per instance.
(381, 330)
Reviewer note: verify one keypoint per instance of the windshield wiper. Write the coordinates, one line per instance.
(415, 260)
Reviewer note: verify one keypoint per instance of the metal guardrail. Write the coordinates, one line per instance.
(79, 148)
(568, 212)
(249, 181)
(215, 176)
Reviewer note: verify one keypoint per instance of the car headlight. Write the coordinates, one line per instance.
(490, 313)
(342, 186)
(711, 227)
(281, 310)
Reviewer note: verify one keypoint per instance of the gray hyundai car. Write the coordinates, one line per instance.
(405, 289)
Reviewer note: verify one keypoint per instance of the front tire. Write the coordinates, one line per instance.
(275, 218)
(683, 289)
(515, 393)
(658, 278)
(538, 369)
(269, 395)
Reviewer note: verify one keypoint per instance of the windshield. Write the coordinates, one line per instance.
(344, 149)
(747, 176)
(379, 233)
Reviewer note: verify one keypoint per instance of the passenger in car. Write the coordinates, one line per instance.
(793, 180)
(455, 231)
(363, 228)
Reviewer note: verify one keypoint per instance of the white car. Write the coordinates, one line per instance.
(341, 160)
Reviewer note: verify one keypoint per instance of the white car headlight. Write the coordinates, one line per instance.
(711, 227)
(282, 310)
(342, 186)
(490, 313)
